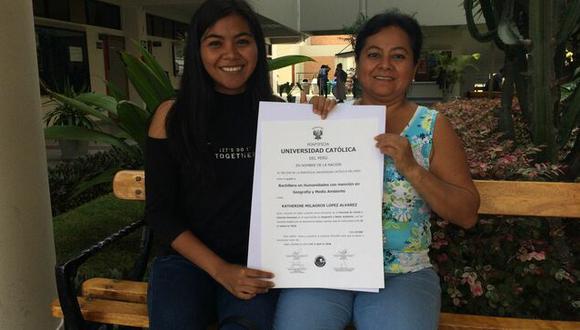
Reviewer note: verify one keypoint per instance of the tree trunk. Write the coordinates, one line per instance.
(543, 101)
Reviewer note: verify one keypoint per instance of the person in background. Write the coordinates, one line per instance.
(495, 82)
(425, 169)
(305, 85)
(340, 87)
(199, 160)
(323, 80)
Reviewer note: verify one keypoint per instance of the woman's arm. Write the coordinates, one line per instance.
(447, 186)
(242, 282)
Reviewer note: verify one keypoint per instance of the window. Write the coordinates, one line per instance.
(55, 9)
(103, 14)
(62, 56)
(165, 28)
(178, 59)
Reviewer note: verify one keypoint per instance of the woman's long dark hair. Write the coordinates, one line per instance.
(186, 123)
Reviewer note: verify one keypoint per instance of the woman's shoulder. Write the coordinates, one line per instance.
(157, 126)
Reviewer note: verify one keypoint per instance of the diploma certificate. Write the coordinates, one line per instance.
(316, 204)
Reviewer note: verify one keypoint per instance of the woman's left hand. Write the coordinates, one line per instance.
(399, 149)
(321, 105)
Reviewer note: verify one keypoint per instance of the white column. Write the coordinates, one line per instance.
(135, 29)
(27, 256)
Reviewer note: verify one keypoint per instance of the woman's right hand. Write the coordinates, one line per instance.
(320, 105)
(244, 283)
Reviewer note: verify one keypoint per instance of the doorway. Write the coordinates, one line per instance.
(114, 67)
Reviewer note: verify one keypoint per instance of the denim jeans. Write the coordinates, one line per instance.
(408, 301)
(183, 296)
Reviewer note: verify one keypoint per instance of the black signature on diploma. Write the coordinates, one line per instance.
(343, 256)
(296, 266)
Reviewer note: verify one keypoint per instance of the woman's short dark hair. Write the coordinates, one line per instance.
(187, 121)
(391, 18)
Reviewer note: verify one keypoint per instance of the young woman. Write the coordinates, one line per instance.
(425, 169)
(199, 164)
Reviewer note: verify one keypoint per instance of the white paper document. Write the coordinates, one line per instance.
(316, 204)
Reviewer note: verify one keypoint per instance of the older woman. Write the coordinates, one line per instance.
(425, 170)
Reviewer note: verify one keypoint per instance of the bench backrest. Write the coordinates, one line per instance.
(524, 198)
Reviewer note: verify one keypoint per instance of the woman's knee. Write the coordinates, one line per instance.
(313, 309)
(258, 312)
(409, 301)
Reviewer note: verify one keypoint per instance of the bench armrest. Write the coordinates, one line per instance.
(66, 273)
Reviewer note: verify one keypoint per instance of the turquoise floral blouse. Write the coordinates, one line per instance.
(406, 228)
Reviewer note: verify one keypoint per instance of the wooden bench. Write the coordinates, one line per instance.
(124, 302)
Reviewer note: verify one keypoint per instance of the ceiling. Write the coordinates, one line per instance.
(182, 10)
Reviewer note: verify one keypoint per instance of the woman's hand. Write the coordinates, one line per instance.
(244, 283)
(321, 105)
(399, 149)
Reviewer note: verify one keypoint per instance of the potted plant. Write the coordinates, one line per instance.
(288, 88)
(64, 114)
(449, 70)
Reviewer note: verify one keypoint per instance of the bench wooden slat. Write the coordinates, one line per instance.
(129, 185)
(449, 321)
(109, 312)
(106, 288)
(548, 199)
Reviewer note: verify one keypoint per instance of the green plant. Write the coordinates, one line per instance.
(63, 114)
(288, 88)
(519, 267)
(449, 69)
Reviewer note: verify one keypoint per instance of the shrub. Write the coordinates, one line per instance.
(490, 155)
(521, 267)
(65, 177)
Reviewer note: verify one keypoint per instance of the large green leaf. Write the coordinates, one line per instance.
(283, 61)
(84, 134)
(133, 120)
(144, 81)
(115, 91)
(80, 106)
(98, 100)
(152, 63)
(152, 88)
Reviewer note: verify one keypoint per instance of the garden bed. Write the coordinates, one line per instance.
(520, 267)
